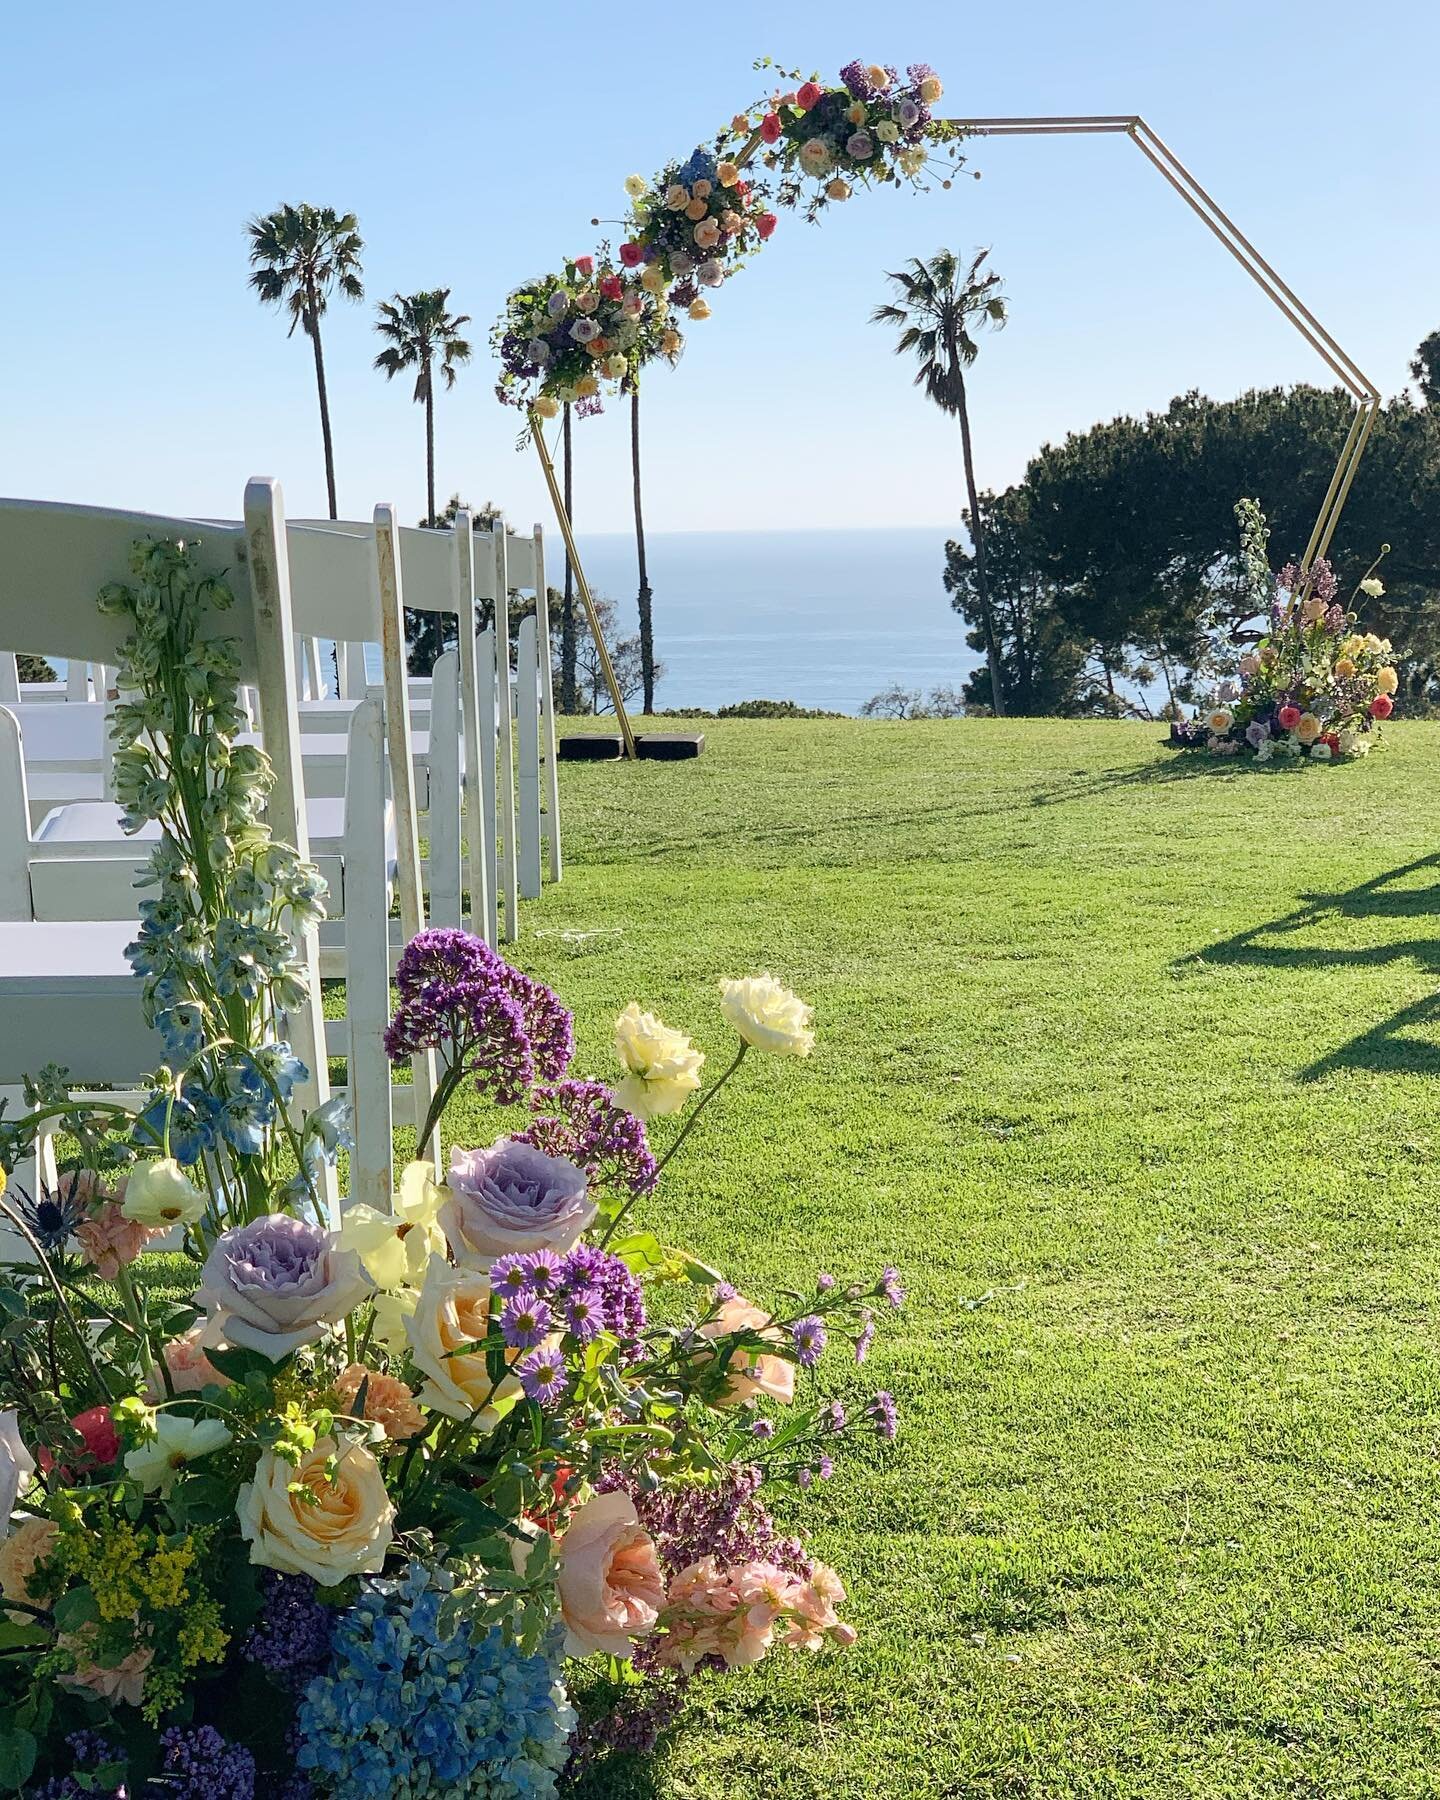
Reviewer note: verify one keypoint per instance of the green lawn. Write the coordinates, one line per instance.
(1129, 1061)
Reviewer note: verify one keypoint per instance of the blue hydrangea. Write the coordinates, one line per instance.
(419, 1702)
(701, 166)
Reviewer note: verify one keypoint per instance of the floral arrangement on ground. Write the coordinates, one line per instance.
(696, 222)
(333, 1522)
(1312, 684)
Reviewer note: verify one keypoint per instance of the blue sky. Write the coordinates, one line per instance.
(476, 143)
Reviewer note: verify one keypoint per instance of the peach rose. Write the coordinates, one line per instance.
(751, 1372)
(610, 1586)
(310, 1520)
(27, 1546)
(454, 1310)
(1386, 680)
(125, 1682)
(1308, 728)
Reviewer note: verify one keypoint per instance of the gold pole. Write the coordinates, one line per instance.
(1362, 390)
(563, 518)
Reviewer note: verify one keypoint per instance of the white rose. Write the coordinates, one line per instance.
(662, 1067)
(336, 1524)
(1373, 586)
(768, 1016)
(454, 1310)
(17, 1466)
(160, 1194)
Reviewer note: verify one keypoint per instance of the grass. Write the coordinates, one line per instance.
(1129, 1061)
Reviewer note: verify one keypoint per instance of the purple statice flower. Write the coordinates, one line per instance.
(684, 293)
(916, 73)
(91, 1752)
(866, 1337)
(291, 1639)
(589, 408)
(632, 1726)
(622, 1300)
(584, 1314)
(857, 81)
(542, 1375)
(200, 1765)
(458, 996)
(810, 1337)
(1335, 619)
(803, 1478)
(524, 1320)
(881, 1411)
(724, 1519)
(890, 1288)
(580, 1121)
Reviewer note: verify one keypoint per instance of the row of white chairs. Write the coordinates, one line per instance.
(66, 994)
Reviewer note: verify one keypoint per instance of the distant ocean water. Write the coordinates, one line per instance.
(824, 618)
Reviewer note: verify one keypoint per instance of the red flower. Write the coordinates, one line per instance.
(584, 264)
(611, 286)
(1289, 717)
(742, 188)
(770, 127)
(632, 255)
(1381, 707)
(1332, 738)
(809, 95)
(102, 1441)
(766, 223)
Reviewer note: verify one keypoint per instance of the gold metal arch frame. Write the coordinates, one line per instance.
(1364, 391)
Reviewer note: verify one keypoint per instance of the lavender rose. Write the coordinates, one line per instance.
(512, 1197)
(277, 1283)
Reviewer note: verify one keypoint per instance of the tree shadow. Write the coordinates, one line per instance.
(1177, 765)
(1384, 1046)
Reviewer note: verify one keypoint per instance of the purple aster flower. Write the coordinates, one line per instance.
(762, 1429)
(881, 1411)
(582, 1123)
(584, 1314)
(545, 1269)
(825, 1468)
(291, 1639)
(803, 1477)
(622, 1301)
(542, 1375)
(824, 1283)
(510, 1274)
(200, 1765)
(866, 1337)
(810, 1336)
(890, 1288)
(724, 1290)
(524, 1321)
(833, 1416)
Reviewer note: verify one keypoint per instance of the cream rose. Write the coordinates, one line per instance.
(751, 1372)
(662, 1067)
(610, 1586)
(768, 1016)
(21, 1554)
(338, 1525)
(454, 1310)
(1386, 680)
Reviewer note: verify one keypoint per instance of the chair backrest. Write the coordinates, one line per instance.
(55, 558)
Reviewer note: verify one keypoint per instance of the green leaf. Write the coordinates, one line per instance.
(639, 1251)
(239, 1363)
(18, 1751)
(75, 1609)
(695, 1270)
(14, 1636)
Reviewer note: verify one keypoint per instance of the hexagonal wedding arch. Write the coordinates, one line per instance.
(565, 338)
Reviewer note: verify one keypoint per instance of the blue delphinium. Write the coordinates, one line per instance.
(419, 1702)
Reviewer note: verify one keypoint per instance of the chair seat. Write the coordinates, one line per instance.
(67, 995)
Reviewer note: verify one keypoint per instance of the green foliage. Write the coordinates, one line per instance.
(33, 668)
(770, 709)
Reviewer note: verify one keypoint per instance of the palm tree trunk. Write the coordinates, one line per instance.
(568, 696)
(312, 326)
(982, 584)
(647, 632)
(429, 450)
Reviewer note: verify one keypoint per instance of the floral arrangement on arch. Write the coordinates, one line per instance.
(327, 1515)
(694, 224)
(1312, 684)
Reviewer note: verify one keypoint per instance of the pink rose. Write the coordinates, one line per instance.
(1381, 707)
(190, 1368)
(752, 1373)
(632, 255)
(808, 96)
(1289, 717)
(611, 287)
(766, 223)
(610, 1586)
(770, 127)
(109, 1241)
(584, 265)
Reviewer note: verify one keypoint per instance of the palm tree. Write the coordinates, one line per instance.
(938, 311)
(647, 631)
(300, 255)
(420, 329)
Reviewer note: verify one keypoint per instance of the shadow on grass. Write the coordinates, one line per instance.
(1170, 766)
(1386, 1045)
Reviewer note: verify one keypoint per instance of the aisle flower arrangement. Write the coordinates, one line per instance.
(1311, 684)
(805, 145)
(330, 1512)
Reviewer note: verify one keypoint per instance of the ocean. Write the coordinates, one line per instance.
(824, 618)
